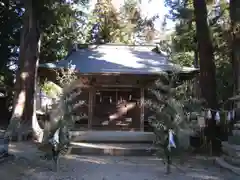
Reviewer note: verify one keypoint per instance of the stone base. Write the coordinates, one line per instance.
(235, 139)
(222, 163)
(6, 157)
(232, 160)
(24, 136)
(112, 149)
(112, 136)
(231, 149)
(114, 143)
(237, 126)
(236, 132)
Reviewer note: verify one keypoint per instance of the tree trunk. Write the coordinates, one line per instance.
(32, 61)
(207, 68)
(235, 29)
(24, 115)
(206, 57)
(196, 92)
(20, 89)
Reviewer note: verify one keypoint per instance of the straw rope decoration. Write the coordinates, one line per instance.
(215, 114)
(230, 115)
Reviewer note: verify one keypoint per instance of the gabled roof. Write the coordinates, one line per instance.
(111, 58)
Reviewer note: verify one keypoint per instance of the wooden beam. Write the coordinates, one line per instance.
(118, 86)
(142, 109)
(39, 96)
(90, 109)
(127, 89)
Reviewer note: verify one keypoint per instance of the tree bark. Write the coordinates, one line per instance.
(19, 89)
(196, 92)
(24, 115)
(206, 57)
(235, 30)
(207, 70)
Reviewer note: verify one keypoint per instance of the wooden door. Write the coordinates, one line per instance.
(117, 109)
(128, 105)
(104, 106)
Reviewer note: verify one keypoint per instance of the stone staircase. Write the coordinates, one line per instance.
(114, 143)
(231, 150)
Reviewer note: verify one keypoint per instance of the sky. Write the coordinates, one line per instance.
(155, 7)
(149, 9)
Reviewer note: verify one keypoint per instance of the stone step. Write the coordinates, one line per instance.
(231, 149)
(237, 126)
(112, 136)
(235, 139)
(232, 160)
(222, 163)
(118, 149)
(236, 132)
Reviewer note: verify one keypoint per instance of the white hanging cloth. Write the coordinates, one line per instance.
(233, 114)
(55, 139)
(229, 116)
(130, 97)
(188, 116)
(171, 142)
(217, 117)
(209, 114)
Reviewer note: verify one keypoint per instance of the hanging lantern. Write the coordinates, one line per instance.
(209, 114)
(217, 117)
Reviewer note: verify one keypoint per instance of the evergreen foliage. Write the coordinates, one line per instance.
(56, 138)
(184, 42)
(170, 112)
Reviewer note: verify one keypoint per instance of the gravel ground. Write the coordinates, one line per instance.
(28, 166)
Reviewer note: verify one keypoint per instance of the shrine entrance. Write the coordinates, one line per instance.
(117, 109)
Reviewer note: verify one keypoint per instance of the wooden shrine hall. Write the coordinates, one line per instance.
(118, 77)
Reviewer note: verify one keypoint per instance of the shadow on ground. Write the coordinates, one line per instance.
(28, 166)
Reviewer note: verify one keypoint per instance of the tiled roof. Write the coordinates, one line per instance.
(118, 59)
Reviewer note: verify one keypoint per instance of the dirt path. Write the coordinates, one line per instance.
(28, 166)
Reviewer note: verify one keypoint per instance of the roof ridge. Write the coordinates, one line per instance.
(85, 46)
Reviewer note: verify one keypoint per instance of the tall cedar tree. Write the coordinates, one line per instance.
(27, 71)
(207, 65)
(206, 57)
(235, 30)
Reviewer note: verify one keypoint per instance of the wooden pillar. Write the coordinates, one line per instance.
(39, 96)
(142, 109)
(90, 109)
